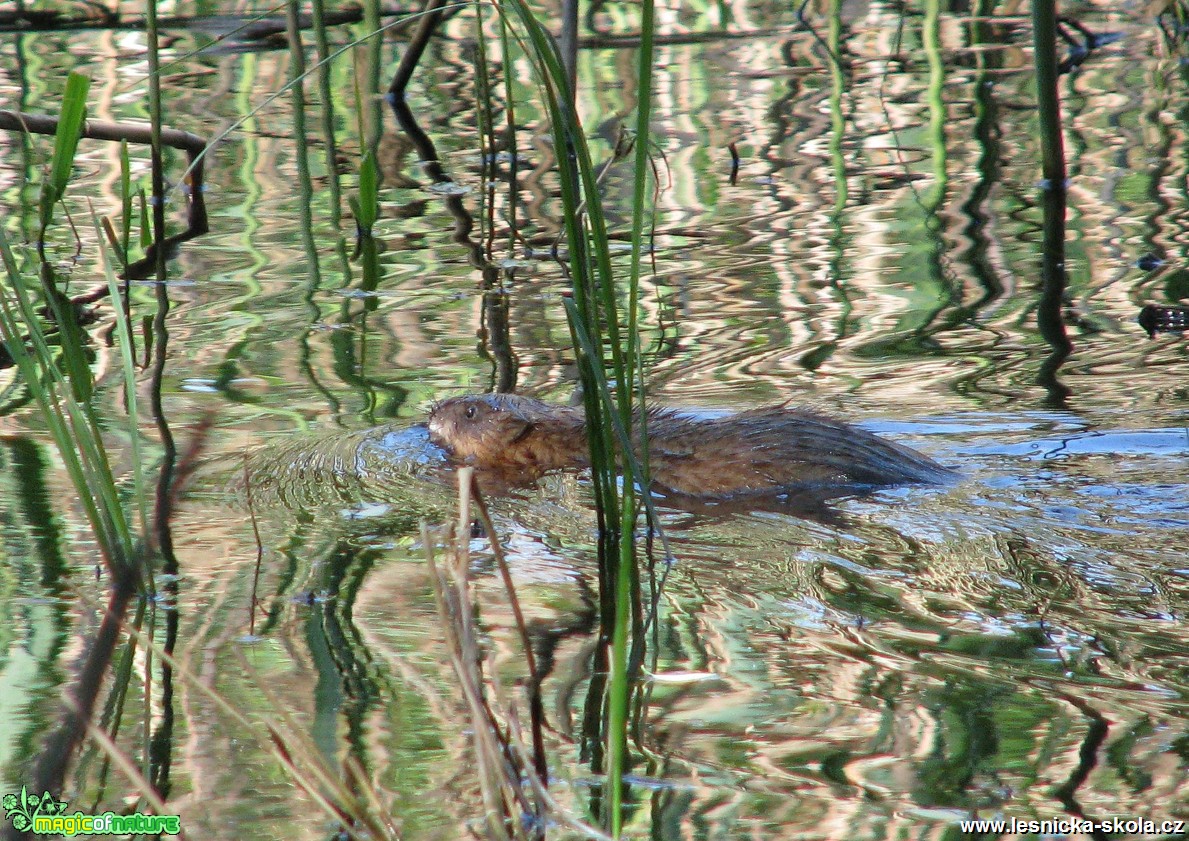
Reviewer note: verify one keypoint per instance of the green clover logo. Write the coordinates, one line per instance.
(23, 808)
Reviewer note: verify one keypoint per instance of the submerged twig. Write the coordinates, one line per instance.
(536, 707)
(511, 774)
(259, 547)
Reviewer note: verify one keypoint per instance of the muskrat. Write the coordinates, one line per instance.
(760, 451)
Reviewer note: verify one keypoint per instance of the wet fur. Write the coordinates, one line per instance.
(755, 452)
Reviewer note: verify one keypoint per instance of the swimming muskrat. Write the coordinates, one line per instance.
(759, 451)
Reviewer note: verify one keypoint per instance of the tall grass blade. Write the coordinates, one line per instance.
(510, 116)
(366, 207)
(327, 102)
(146, 225)
(627, 587)
(70, 125)
(70, 128)
(125, 204)
(128, 363)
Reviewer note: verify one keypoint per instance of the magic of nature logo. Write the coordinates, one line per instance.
(46, 815)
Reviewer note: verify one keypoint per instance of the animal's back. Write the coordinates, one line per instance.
(776, 447)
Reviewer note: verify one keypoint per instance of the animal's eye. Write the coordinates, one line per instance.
(470, 412)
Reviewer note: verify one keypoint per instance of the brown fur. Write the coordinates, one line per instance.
(759, 451)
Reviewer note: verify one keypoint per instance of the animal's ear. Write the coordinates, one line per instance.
(520, 417)
(527, 425)
(520, 413)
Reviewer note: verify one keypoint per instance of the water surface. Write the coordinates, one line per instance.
(1012, 644)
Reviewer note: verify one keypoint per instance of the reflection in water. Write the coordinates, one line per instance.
(1045, 28)
(865, 666)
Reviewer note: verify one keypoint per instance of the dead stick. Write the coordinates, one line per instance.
(104, 130)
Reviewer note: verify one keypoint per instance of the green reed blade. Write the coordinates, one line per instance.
(70, 127)
(70, 335)
(621, 683)
(128, 363)
(125, 202)
(510, 115)
(640, 182)
(367, 207)
(146, 227)
(485, 119)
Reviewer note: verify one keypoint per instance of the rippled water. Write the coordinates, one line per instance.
(879, 667)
